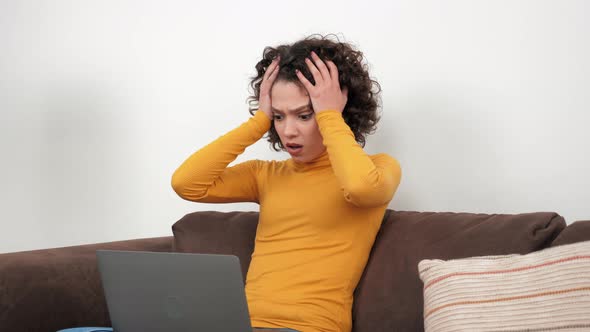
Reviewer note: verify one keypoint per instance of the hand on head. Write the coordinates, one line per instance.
(326, 93)
(268, 79)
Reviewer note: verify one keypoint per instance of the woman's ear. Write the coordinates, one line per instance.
(345, 95)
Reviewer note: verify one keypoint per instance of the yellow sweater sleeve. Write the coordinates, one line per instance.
(205, 177)
(365, 182)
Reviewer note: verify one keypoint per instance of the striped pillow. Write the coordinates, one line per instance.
(546, 290)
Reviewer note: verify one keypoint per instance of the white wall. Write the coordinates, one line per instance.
(485, 105)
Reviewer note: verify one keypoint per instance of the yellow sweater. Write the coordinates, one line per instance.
(317, 221)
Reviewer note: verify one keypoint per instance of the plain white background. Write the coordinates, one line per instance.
(485, 105)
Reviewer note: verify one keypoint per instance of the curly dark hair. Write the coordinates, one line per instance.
(360, 112)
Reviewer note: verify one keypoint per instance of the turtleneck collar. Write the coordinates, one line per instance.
(320, 161)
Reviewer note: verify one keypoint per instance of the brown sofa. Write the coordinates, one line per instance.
(51, 289)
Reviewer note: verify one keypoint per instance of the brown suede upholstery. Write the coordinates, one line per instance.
(47, 290)
(52, 289)
(212, 232)
(389, 295)
(575, 232)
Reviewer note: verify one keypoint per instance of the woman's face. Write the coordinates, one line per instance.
(294, 121)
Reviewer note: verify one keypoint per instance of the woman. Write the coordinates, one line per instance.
(321, 209)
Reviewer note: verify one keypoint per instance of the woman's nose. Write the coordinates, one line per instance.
(290, 128)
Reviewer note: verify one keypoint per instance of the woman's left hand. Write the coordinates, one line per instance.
(326, 93)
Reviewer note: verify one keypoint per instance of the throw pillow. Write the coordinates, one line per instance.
(546, 290)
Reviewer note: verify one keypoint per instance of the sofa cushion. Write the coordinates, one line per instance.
(545, 290)
(574, 232)
(214, 232)
(389, 294)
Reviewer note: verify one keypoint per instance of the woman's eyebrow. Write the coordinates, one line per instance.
(298, 109)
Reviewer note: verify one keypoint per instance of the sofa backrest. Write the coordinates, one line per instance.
(214, 232)
(389, 294)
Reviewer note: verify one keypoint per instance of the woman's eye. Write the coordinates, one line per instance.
(306, 116)
(277, 117)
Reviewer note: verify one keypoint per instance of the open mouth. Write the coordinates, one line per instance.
(294, 148)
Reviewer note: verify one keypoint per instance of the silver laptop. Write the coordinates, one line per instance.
(160, 291)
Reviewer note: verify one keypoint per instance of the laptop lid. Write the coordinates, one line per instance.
(162, 291)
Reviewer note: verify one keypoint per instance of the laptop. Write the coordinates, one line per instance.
(162, 291)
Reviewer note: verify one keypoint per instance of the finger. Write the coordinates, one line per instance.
(269, 77)
(321, 66)
(269, 81)
(333, 72)
(274, 74)
(307, 84)
(274, 64)
(317, 76)
(271, 68)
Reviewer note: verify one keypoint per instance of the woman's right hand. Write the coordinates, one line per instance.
(267, 81)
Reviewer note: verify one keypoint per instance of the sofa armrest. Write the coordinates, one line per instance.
(52, 289)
